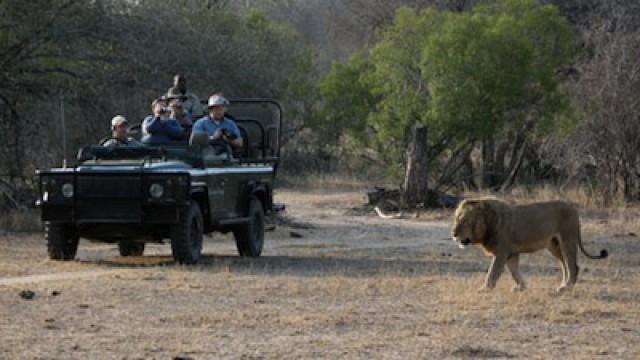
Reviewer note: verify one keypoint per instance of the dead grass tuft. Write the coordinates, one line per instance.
(322, 181)
(479, 352)
(21, 221)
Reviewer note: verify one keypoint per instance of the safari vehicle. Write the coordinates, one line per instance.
(134, 195)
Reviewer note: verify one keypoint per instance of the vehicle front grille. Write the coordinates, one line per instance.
(111, 209)
(108, 187)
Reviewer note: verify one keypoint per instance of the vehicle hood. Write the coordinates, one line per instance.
(120, 166)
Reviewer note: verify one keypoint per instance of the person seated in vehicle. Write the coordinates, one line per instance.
(217, 125)
(176, 104)
(190, 102)
(119, 136)
(160, 128)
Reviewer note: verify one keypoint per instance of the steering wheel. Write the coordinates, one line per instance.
(119, 140)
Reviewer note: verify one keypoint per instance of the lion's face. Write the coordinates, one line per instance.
(469, 226)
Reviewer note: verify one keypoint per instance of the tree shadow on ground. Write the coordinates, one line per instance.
(310, 266)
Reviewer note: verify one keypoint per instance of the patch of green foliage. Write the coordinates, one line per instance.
(466, 76)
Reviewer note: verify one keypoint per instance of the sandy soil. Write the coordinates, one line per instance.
(331, 284)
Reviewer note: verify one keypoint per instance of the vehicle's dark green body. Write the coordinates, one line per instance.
(112, 199)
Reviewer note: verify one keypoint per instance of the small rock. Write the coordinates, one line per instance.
(182, 358)
(294, 234)
(49, 320)
(83, 306)
(632, 234)
(55, 293)
(27, 294)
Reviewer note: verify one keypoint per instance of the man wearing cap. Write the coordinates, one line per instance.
(190, 102)
(160, 129)
(218, 126)
(119, 133)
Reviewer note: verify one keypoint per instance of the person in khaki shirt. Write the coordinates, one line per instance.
(190, 102)
(119, 125)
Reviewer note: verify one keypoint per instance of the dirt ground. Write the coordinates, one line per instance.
(332, 283)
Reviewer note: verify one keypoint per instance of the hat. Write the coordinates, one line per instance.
(216, 100)
(174, 93)
(118, 120)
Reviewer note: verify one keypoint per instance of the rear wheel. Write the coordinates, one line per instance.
(130, 248)
(250, 237)
(186, 237)
(62, 241)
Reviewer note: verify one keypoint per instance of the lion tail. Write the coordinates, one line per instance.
(603, 253)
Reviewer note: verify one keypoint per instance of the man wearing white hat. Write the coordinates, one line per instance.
(119, 133)
(218, 126)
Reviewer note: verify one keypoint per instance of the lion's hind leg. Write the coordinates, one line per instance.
(569, 259)
(554, 248)
(513, 263)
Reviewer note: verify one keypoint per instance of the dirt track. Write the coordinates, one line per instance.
(349, 287)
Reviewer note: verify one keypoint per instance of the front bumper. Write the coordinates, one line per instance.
(103, 198)
(112, 211)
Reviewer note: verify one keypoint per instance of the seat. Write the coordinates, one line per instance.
(245, 151)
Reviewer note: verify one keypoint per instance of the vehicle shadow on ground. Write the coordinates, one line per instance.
(311, 266)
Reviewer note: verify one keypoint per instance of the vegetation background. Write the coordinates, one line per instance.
(510, 93)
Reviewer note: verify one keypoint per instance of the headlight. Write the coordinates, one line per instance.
(156, 191)
(57, 188)
(67, 190)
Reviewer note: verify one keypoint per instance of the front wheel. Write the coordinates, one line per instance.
(186, 236)
(62, 241)
(130, 248)
(250, 237)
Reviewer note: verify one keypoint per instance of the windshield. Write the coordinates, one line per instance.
(189, 154)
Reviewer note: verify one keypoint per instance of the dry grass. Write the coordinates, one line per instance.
(353, 287)
(21, 221)
(583, 197)
(324, 181)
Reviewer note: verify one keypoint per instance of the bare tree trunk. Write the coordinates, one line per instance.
(488, 164)
(415, 180)
(468, 175)
(516, 165)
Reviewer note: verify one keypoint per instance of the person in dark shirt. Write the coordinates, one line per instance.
(160, 128)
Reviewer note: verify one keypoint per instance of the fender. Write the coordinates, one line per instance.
(260, 191)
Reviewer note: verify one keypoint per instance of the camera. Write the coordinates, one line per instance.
(166, 109)
(228, 134)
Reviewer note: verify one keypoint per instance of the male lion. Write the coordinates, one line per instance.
(505, 231)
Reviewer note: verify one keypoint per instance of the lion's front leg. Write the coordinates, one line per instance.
(497, 266)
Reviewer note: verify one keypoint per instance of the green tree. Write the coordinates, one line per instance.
(347, 101)
(493, 79)
(483, 78)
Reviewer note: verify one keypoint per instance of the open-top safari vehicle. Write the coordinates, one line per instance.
(138, 194)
